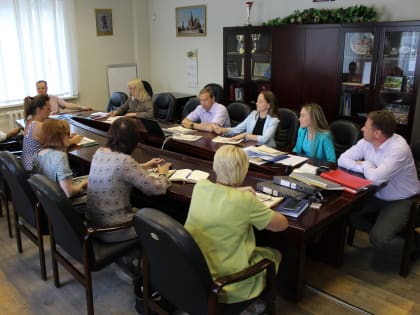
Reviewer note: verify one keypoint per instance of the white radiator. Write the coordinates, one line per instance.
(13, 115)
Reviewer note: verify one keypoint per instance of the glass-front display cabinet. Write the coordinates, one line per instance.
(380, 70)
(247, 63)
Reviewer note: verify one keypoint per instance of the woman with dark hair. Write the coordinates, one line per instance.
(260, 125)
(113, 173)
(52, 160)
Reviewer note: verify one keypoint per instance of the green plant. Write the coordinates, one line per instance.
(354, 14)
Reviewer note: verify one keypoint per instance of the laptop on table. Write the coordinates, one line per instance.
(152, 126)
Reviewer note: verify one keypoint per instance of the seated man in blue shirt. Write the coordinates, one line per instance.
(384, 158)
(207, 113)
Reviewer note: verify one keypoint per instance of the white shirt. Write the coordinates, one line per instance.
(392, 162)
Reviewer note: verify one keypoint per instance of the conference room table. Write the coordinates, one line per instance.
(319, 233)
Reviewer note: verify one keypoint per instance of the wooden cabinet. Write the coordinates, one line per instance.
(348, 69)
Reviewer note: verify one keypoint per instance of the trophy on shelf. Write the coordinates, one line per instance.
(241, 41)
(255, 38)
(248, 5)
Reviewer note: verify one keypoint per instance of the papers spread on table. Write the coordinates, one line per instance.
(179, 129)
(263, 154)
(188, 176)
(307, 168)
(292, 160)
(98, 115)
(268, 200)
(226, 140)
(186, 137)
(87, 142)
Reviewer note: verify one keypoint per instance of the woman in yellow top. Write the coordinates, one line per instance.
(221, 220)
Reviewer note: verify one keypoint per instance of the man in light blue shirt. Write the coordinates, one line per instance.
(207, 114)
(384, 158)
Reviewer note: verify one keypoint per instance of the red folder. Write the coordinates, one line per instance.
(351, 183)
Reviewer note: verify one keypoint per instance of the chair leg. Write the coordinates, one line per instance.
(18, 235)
(9, 223)
(350, 235)
(40, 243)
(54, 263)
(89, 292)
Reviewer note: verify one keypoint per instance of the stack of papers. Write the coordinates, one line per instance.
(316, 181)
(98, 115)
(179, 130)
(307, 169)
(110, 120)
(263, 154)
(188, 176)
(186, 137)
(87, 142)
(292, 160)
(268, 200)
(226, 140)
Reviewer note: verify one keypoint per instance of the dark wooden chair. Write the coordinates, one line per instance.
(174, 265)
(27, 214)
(164, 106)
(345, 134)
(287, 130)
(68, 230)
(237, 112)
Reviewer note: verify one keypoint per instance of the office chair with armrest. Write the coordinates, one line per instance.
(27, 214)
(116, 100)
(148, 88)
(287, 130)
(189, 106)
(237, 112)
(217, 91)
(345, 134)
(67, 230)
(174, 265)
(13, 145)
(164, 106)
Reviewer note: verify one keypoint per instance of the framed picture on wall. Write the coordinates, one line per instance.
(191, 21)
(103, 22)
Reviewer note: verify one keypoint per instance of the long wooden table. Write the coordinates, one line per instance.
(320, 232)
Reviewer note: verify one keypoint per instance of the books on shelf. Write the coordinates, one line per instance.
(268, 200)
(188, 176)
(293, 207)
(399, 111)
(351, 183)
(226, 140)
(315, 180)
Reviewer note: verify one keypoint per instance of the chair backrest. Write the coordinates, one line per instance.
(237, 112)
(148, 88)
(23, 198)
(217, 91)
(116, 100)
(164, 106)
(178, 270)
(345, 134)
(189, 106)
(415, 148)
(287, 130)
(68, 227)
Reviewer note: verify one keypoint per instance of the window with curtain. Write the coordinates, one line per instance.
(37, 42)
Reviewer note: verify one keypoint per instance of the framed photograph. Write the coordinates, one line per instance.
(191, 21)
(393, 83)
(260, 69)
(103, 22)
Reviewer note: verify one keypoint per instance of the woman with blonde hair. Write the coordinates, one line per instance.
(139, 104)
(221, 220)
(314, 138)
(52, 160)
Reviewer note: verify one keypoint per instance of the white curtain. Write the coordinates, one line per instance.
(37, 42)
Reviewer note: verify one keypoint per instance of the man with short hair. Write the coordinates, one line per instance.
(207, 113)
(384, 158)
(55, 102)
